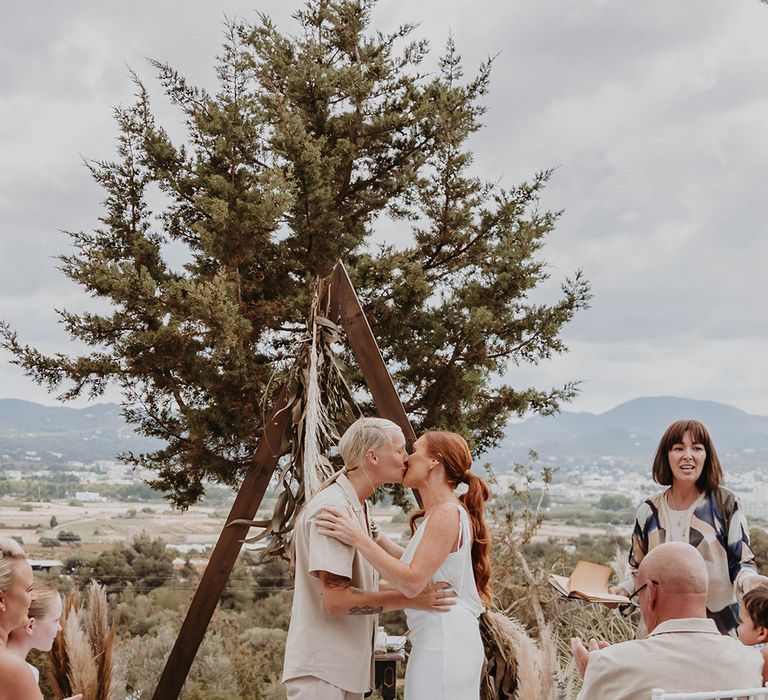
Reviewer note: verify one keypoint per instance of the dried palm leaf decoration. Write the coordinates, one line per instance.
(316, 467)
(321, 406)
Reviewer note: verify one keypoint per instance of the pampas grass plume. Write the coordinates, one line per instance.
(81, 657)
(82, 667)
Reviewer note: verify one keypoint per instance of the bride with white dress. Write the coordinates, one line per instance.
(451, 544)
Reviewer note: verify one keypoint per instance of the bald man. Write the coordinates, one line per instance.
(683, 652)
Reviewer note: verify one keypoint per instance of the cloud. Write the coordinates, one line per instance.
(653, 115)
(681, 366)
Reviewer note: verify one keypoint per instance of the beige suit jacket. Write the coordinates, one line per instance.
(687, 654)
(337, 649)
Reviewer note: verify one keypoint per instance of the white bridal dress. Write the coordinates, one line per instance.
(447, 654)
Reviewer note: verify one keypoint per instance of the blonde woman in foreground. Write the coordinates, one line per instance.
(16, 585)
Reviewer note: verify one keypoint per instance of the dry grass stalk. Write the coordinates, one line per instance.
(548, 663)
(568, 680)
(59, 656)
(518, 667)
(95, 616)
(533, 584)
(101, 638)
(529, 682)
(81, 659)
(620, 563)
(82, 667)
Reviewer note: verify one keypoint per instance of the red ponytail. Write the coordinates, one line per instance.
(474, 501)
(452, 450)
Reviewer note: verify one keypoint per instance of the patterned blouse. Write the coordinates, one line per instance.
(716, 526)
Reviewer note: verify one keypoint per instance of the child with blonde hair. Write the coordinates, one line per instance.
(41, 627)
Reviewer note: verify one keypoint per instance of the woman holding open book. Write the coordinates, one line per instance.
(696, 509)
(450, 544)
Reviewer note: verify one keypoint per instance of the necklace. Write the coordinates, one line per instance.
(679, 514)
(370, 525)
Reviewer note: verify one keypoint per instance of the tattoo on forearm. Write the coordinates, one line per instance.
(335, 581)
(366, 610)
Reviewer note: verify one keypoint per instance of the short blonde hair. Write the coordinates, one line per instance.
(363, 435)
(10, 553)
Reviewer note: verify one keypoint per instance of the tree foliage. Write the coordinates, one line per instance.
(312, 141)
(759, 543)
(67, 536)
(145, 564)
(614, 501)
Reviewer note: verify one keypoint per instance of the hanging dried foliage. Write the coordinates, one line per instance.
(321, 406)
(81, 657)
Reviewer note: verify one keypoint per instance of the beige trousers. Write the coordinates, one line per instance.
(311, 688)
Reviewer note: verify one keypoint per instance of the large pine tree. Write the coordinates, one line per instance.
(310, 140)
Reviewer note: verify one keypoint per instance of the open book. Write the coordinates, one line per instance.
(588, 582)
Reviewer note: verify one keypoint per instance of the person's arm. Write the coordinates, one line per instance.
(600, 677)
(751, 580)
(741, 559)
(440, 534)
(390, 547)
(17, 682)
(590, 689)
(340, 597)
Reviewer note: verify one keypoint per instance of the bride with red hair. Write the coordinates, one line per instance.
(450, 544)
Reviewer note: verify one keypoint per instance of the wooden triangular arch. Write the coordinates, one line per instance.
(345, 310)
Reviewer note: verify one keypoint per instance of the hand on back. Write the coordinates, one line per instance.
(436, 597)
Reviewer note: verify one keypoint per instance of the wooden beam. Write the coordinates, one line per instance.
(366, 351)
(223, 557)
(343, 307)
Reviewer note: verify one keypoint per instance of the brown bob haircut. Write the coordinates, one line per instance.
(712, 474)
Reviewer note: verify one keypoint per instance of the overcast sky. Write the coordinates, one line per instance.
(654, 113)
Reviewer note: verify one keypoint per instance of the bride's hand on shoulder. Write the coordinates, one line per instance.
(436, 597)
(343, 525)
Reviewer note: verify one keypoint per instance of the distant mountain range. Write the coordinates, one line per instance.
(97, 432)
(629, 433)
